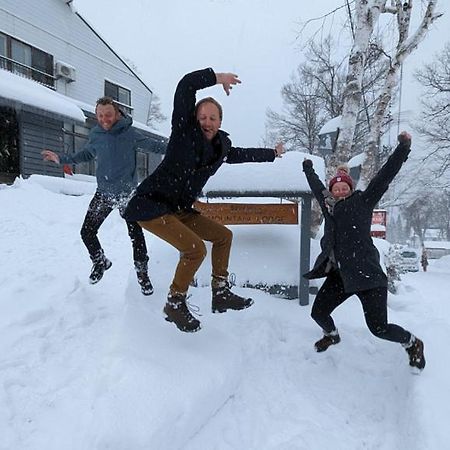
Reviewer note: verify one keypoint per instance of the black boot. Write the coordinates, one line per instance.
(328, 339)
(100, 264)
(177, 311)
(223, 299)
(141, 268)
(414, 348)
(144, 282)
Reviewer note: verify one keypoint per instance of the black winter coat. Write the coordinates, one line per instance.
(347, 229)
(190, 159)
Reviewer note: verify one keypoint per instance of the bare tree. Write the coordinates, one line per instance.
(435, 123)
(155, 114)
(429, 210)
(312, 97)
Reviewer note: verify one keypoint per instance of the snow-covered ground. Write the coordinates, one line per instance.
(97, 367)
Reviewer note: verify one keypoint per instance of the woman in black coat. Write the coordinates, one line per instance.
(163, 201)
(349, 260)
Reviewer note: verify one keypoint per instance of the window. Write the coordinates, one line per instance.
(120, 94)
(2, 45)
(21, 53)
(75, 137)
(141, 165)
(3, 64)
(43, 62)
(26, 60)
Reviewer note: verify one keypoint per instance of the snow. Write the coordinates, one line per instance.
(331, 126)
(437, 244)
(284, 174)
(98, 367)
(357, 160)
(31, 93)
(377, 227)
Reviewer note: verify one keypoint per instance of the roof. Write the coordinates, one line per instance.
(28, 92)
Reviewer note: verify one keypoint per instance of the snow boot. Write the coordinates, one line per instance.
(328, 339)
(144, 282)
(414, 348)
(177, 311)
(223, 299)
(100, 264)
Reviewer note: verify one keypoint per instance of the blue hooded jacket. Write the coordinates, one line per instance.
(115, 151)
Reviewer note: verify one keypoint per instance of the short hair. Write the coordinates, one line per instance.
(107, 101)
(209, 100)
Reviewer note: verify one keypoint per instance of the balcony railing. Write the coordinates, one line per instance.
(25, 71)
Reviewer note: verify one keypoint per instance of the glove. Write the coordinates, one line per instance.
(307, 164)
(404, 138)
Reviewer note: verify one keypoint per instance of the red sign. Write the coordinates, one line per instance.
(378, 228)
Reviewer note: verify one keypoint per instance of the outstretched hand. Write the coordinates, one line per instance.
(227, 80)
(404, 138)
(48, 155)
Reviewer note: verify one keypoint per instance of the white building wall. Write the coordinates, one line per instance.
(53, 27)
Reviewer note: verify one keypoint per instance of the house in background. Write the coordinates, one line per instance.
(53, 68)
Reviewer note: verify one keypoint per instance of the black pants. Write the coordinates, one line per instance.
(374, 304)
(99, 209)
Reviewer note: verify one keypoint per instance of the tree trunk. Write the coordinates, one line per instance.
(367, 15)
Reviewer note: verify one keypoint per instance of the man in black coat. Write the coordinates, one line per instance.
(163, 202)
(349, 260)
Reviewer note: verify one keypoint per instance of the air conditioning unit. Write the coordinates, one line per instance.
(66, 71)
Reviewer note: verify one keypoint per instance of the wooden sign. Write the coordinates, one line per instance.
(250, 214)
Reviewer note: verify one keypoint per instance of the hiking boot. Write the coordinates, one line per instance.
(177, 311)
(328, 339)
(414, 348)
(144, 282)
(223, 299)
(100, 264)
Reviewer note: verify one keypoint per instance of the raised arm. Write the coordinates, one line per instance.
(316, 185)
(240, 155)
(380, 182)
(185, 96)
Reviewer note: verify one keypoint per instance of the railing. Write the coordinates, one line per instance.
(25, 71)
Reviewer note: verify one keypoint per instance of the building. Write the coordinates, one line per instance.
(53, 68)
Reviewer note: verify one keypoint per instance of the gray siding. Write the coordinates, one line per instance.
(38, 132)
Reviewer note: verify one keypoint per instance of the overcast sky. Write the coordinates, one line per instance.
(257, 39)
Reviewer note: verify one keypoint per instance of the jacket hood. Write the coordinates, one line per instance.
(118, 127)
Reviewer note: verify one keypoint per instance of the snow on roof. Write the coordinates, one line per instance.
(357, 160)
(377, 227)
(284, 174)
(437, 244)
(331, 126)
(29, 92)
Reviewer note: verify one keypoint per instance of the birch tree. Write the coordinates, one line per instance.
(367, 15)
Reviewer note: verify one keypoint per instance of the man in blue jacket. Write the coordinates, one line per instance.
(113, 143)
(163, 201)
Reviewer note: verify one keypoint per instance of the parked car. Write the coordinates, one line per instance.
(409, 260)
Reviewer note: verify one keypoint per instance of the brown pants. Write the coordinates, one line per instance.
(186, 231)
